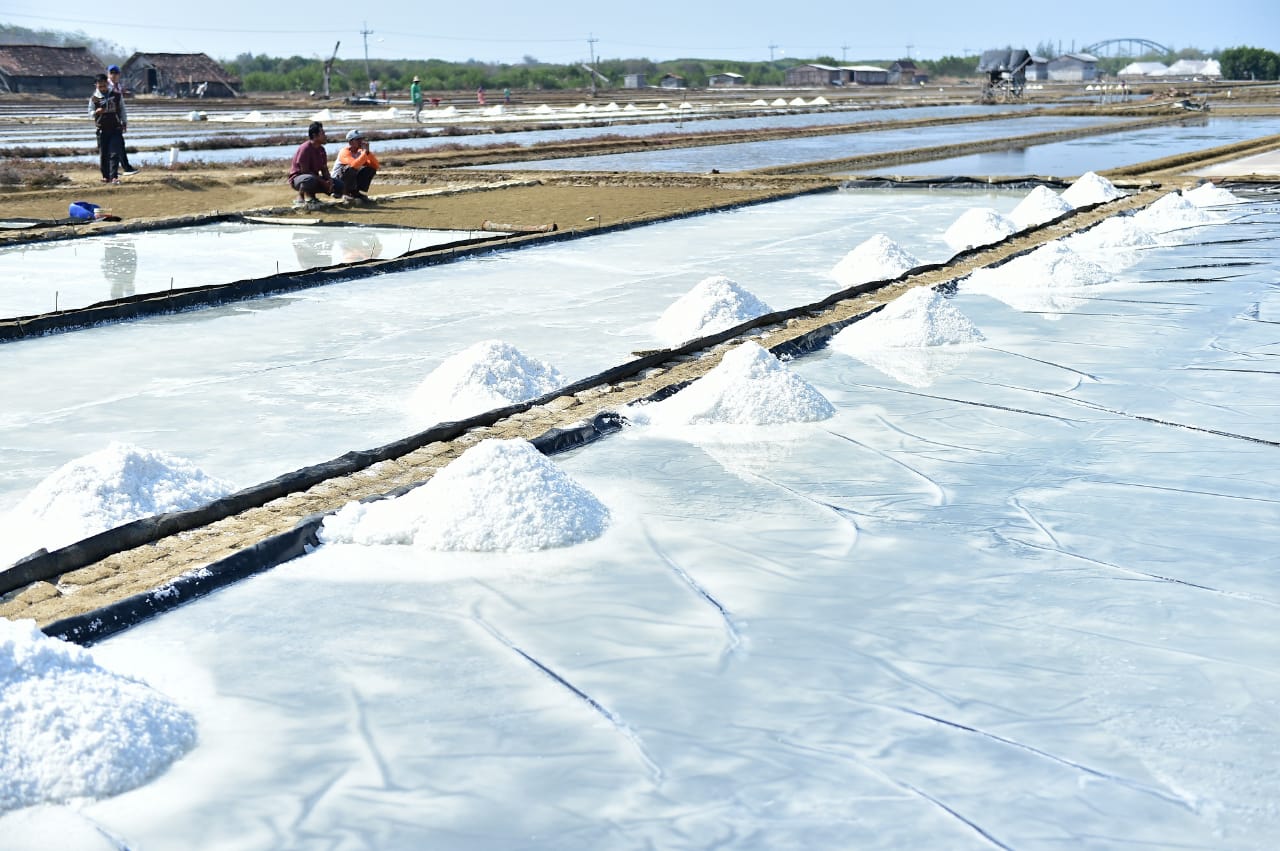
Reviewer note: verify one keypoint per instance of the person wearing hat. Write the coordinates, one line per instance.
(415, 94)
(356, 166)
(113, 84)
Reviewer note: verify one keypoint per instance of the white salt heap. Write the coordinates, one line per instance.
(1090, 188)
(490, 374)
(70, 729)
(1115, 243)
(1208, 195)
(877, 259)
(1041, 205)
(1041, 281)
(1171, 213)
(916, 338)
(714, 304)
(499, 495)
(748, 387)
(919, 317)
(100, 491)
(977, 227)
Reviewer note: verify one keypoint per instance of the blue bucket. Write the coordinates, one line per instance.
(82, 210)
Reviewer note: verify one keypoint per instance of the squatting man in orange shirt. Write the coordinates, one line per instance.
(356, 166)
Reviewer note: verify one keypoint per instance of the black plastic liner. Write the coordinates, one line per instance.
(953, 181)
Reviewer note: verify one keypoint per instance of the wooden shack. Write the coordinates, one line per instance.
(37, 69)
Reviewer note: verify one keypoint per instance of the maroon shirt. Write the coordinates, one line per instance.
(309, 159)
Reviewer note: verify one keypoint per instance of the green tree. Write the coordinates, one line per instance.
(1249, 63)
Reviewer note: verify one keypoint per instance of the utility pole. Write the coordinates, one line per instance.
(844, 53)
(366, 32)
(772, 48)
(591, 50)
(909, 46)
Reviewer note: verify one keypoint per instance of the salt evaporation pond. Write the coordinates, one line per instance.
(647, 122)
(740, 156)
(1099, 153)
(1033, 605)
(66, 274)
(250, 390)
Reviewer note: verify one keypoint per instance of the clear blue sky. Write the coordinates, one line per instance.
(558, 31)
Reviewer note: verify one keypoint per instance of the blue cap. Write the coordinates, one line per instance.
(111, 68)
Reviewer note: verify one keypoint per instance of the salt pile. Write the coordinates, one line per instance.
(490, 374)
(977, 227)
(499, 495)
(71, 729)
(100, 491)
(1115, 243)
(915, 339)
(877, 259)
(714, 304)
(1090, 188)
(1208, 195)
(1173, 212)
(748, 387)
(919, 317)
(1041, 205)
(1041, 281)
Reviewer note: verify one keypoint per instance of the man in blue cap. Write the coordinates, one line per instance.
(113, 84)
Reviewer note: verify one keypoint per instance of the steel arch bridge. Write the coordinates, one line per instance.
(1126, 47)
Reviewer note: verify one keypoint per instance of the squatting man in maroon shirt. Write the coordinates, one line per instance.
(309, 173)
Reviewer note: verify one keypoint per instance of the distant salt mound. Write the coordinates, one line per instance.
(1047, 280)
(257, 116)
(1114, 244)
(1042, 204)
(71, 729)
(748, 387)
(544, 110)
(448, 110)
(759, 102)
(918, 318)
(100, 491)
(876, 259)
(778, 102)
(322, 115)
(1090, 188)
(490, 374)
(611, 106)
(1172, 212)
(499, 495)
(1208, 195)
(796, 101)
(714, 304)
(977, 227)
(819, 101)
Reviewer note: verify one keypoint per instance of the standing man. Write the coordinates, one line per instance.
(309, 172)
(415, 94)
(106, 108)
(113, 83)
(356, 166)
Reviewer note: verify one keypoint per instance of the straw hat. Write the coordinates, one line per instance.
(415, 79)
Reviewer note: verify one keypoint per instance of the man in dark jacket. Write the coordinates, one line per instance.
(105, 109)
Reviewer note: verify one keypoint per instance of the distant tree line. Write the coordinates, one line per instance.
(301, 74)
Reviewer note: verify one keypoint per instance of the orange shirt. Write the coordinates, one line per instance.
(357, 161)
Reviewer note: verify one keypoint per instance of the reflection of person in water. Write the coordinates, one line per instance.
(356, 246)
(312, 249)
(120, 266)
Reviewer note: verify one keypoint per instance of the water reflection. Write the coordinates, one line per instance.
(120, 265)
(312, 249)
(349, 245)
